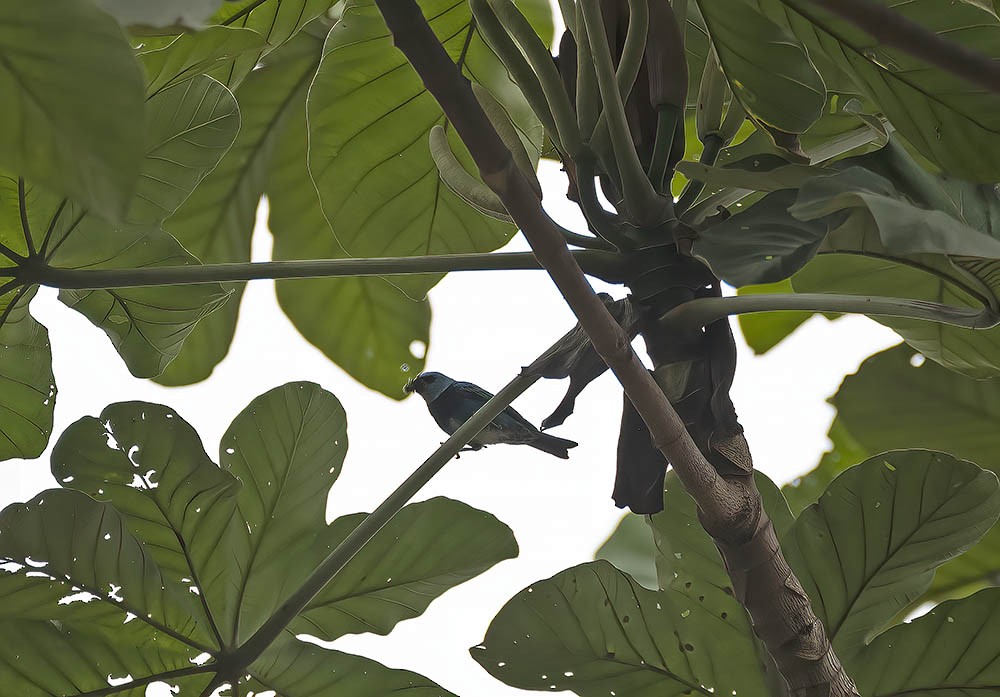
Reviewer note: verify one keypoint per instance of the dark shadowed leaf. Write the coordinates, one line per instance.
(73, 116)
(870, 546)
(573, 356)
(763, 244)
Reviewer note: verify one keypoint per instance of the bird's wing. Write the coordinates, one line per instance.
(508, 420)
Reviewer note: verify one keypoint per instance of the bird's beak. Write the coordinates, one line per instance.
(408, 387)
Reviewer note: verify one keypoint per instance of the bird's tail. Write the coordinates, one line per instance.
(553, 445)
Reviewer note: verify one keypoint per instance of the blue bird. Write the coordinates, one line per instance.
(452, 403)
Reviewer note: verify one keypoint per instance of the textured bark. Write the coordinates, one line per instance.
(729, 507)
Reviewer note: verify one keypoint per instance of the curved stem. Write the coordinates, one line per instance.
(634, 47)
(510, 55)
(642, 201)
(545, 69)
(84, 279)
(693, 189)
(377, 519)
(22, 206)
(703, 311)
(588, 97)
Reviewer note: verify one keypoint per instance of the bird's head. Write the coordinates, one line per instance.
(429, 385)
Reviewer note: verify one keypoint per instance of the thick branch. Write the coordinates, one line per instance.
(893, 29)
(730, 510)
(602, 264)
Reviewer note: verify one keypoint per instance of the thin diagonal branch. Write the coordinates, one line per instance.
(729, 508)
(893, 29)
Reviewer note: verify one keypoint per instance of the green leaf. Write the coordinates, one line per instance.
(27, 386)
(290, 443)
(151, 464)
(297, 669)
(765, 330)
(954, 123)
(190, 126)
(365, 325)
(423, 551)
(951, 650)
(763, 244)
(369, 119)
(594, 630)
(192, 54)
(67, 537)
(173, 14)
(73, 116)
(897, 399)
(217, 221)
(631, 549)
(278, 21)
(768, 70)
(870, 546)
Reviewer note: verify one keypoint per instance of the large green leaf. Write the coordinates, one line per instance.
(27, 387)
(191, 124)
(594, 630)
(767, 68)
(365, 325)
(73, 112)
(176, 563)
(419, 555)
(631, 549)
(297, 669)
(954, 123)
(869, 547)
(952, 650)
(217, 221)
(369, 119)
(277, 21)
(192, 54)
(897, 399)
